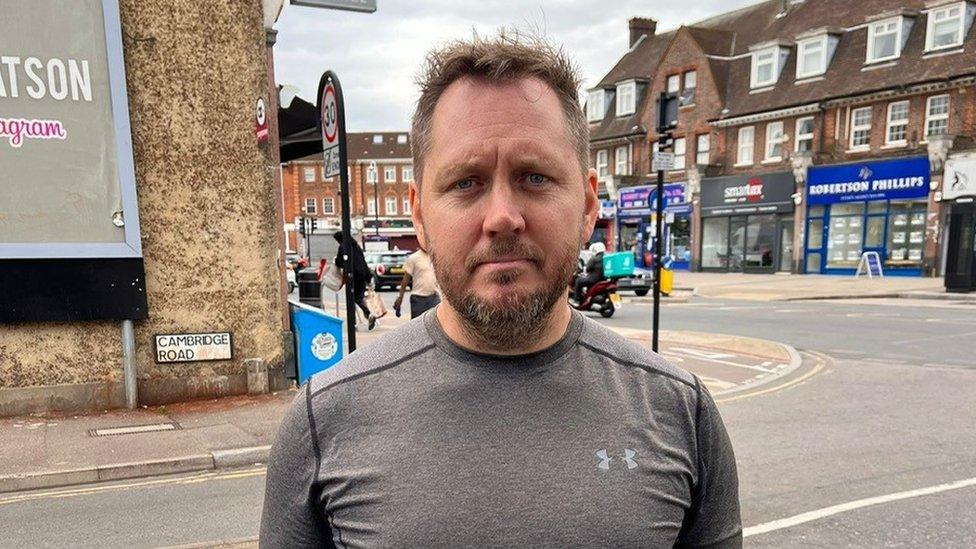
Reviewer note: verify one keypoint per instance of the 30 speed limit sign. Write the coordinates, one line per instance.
(330, 130)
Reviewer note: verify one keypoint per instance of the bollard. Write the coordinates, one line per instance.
(257, 376)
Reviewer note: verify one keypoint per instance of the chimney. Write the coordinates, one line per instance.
(640, 26)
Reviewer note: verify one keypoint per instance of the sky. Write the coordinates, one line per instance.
(377, 55)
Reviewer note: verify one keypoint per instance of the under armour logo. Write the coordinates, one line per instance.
(627, 457)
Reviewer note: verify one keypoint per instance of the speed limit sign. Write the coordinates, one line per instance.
(330, 130)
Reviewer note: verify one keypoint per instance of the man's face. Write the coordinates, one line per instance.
(503, 204)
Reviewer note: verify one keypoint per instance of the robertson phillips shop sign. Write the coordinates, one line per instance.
(901, 179)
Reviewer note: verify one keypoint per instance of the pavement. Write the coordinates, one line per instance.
(48, 451)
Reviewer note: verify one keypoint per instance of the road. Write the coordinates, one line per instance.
(877, 449)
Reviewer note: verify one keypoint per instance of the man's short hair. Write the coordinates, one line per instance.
(504, 58)
(338, 236)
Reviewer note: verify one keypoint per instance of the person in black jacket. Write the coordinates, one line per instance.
(361, 275)
(593, 272)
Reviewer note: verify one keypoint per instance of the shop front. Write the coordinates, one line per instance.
(853, 209)
(959, 190)
(636, 225)
(603, 232)
(747, 223)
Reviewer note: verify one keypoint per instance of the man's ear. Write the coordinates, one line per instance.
(416, 214)
(591, 209)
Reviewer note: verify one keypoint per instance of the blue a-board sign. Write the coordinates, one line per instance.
(903, 178)
(874, 264)
(318, 340)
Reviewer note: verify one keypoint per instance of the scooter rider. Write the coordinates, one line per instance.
(593, 272)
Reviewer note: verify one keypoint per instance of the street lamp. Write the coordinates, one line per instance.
(374, 177)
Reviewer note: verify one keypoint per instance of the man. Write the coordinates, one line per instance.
(361, 275)
(423, 295)
(593, 271)
(503, 417)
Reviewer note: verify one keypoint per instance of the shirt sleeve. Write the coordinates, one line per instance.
(713, 519)
(408, 265)
(291, 516)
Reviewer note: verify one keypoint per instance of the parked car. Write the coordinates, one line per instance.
(641, 283)
(387, 268)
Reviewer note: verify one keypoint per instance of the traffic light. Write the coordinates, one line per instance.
(314, 225)
(301, 226)
(667, 112)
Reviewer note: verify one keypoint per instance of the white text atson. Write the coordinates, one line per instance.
(59, 79)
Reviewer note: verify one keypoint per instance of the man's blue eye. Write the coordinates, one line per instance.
(464, 184)
(537, 178)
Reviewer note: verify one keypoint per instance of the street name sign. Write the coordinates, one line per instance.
(663, 161)
(193, 347)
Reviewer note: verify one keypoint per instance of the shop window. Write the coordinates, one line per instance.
(761, 240)
(804, 134)
(844, 235)
(897, 130)
(937, 115)
(715, 242)
(861, 128)
(906, 234)
(680, 153)
(745, 146)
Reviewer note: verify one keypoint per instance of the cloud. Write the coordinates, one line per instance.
(376, 56)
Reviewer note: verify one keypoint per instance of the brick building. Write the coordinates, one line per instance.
(809, 133)
(379, 197)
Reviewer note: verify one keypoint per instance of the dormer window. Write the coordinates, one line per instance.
(377, 139)
(767, 64)
(811, 59)
(595, 107)
(626, 98)
(947, 26)
(886, 38)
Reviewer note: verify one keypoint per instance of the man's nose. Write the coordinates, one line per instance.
(503, 211)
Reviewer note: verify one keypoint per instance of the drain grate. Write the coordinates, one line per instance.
(134, 429)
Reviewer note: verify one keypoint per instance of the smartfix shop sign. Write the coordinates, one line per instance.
(767, 193)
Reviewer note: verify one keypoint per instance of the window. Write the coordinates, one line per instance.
(378, 139)
(704, 147)
(623, 161)
(406, 206)
(309, 175)
(884, 40)
(391, 205)
(407, 173)
(601, 163)
(625, 98)
(897, 130)
(595, 108)
(861, 128)
(328, 205)
(764, 67)
(371, 176)
(804, 134)
(774, 141)
(945, 27)
(680, 151)
(811, 57)
(674, 83)
(937, 115)
(690, 85)
(402, 139)
(746, 146)
(310, 206)
(389, 174)
(371, 206)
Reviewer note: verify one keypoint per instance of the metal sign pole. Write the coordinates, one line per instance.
(333, 126)
(666, 121)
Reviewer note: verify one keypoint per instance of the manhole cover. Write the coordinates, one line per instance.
(134, 429)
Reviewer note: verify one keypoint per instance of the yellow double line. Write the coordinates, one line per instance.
(195, 479)
(816, 369)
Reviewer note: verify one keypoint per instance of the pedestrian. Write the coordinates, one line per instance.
(504, 417)
(361, 275)
(419, 271)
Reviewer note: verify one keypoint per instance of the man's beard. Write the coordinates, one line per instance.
(518, 317)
